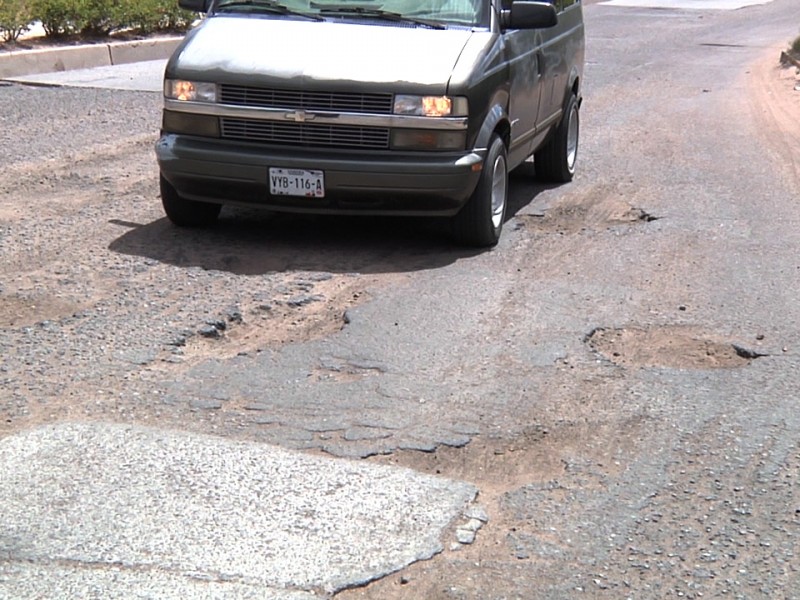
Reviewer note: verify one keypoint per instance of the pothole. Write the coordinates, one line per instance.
(596, 209)
(527, 481)
(672, 346)
(298, 315)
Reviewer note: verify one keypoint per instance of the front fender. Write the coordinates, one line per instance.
(574, 83)
(496, 121)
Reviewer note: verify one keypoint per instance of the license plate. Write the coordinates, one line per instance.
(296, 182)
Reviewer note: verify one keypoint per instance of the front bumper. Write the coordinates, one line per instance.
(379, 183)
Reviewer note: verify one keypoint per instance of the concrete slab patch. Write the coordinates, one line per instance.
(122, 508)
(26, 581)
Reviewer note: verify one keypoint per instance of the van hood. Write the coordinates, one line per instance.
(318, 54)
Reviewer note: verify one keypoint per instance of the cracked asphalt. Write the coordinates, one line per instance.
(616, 378)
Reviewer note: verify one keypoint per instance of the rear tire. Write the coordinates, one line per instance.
(480, 221)
(556, 160)
(187, 213)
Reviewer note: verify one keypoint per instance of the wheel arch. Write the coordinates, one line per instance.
(495, 123)
(575, 82)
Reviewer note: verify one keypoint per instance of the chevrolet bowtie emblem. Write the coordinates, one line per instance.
(300, 116)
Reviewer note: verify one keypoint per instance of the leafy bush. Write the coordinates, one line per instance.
(15, 17)
(148, 16)
(99, 18)
(58, 17)
(796, 47)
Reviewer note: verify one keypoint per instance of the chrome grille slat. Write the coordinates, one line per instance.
(370, 103)
(305, 134)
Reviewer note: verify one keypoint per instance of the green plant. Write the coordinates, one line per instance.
(795, 47)
(98, 18)
(58, 17)
(15, 17)
(160, 15)
(174, 18)
(92, 18)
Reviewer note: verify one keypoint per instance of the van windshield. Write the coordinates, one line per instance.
(421, 13)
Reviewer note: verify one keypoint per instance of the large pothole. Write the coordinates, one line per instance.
(597, 208)
(671, 346)
(300, 311)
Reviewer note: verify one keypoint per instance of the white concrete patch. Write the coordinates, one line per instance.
(26, 581)
(134, 512)
(687, 4)
(139, 76)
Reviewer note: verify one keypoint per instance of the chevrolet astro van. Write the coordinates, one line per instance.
(410, 107)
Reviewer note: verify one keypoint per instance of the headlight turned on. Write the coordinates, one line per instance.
(190, 91)
(430, 106)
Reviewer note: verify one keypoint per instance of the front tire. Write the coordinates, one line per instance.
(555, 161)
(186, 213)
(480, 221)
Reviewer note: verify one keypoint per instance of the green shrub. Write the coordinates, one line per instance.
(98, 18)
(174, 18)
(15, 17)
(58, 17)
(796, 47)
(160, 15)
(92, 18)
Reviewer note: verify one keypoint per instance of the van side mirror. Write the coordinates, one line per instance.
(525, 14)
(201, 6)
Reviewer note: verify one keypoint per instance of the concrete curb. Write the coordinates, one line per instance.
(50, 60)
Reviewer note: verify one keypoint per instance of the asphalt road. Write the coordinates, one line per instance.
(616, 378)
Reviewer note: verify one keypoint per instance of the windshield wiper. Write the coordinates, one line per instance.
(269, 6)
(360, 10)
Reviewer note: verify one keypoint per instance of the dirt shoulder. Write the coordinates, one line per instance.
(774, 94)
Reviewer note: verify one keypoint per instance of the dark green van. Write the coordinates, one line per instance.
(412, 107)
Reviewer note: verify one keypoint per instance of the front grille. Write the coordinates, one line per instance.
(242, 95)
(305, 134)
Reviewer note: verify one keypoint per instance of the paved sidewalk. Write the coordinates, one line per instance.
(113, 511)
(145, 76)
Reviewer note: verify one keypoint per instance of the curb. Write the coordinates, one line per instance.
(50, 60)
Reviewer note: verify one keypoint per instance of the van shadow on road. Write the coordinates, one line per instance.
(524, 189)
(255, 242)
